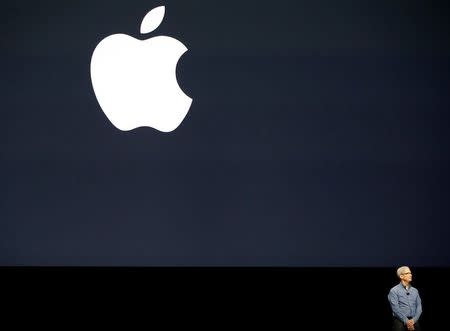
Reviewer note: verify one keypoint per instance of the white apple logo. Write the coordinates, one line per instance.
(135, 80)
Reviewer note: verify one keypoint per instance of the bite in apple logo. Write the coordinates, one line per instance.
(135, 80)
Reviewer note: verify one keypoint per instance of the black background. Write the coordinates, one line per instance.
(314, 158)
(216, 297)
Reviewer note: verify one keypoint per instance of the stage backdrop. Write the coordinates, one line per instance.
(317, 136)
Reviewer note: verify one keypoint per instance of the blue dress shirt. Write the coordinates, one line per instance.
(405, 302)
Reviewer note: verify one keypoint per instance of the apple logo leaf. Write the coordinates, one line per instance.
(153, 19)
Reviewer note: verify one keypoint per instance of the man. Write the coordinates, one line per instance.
(405, 302)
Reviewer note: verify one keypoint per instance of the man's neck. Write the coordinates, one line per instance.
(405, 284)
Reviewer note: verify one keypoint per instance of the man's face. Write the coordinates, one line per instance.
(406, 275)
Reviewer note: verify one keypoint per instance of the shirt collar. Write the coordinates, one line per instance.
(403, 287)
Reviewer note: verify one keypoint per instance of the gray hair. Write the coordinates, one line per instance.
(401, 270)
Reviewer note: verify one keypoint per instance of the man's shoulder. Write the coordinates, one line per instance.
(414, 289)
(394, 288)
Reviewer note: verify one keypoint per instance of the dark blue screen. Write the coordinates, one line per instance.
(317, 136)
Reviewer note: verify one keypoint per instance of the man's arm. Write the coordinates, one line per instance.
(393, 300)
(418, 308)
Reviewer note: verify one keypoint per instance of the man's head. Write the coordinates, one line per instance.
(404, 273)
